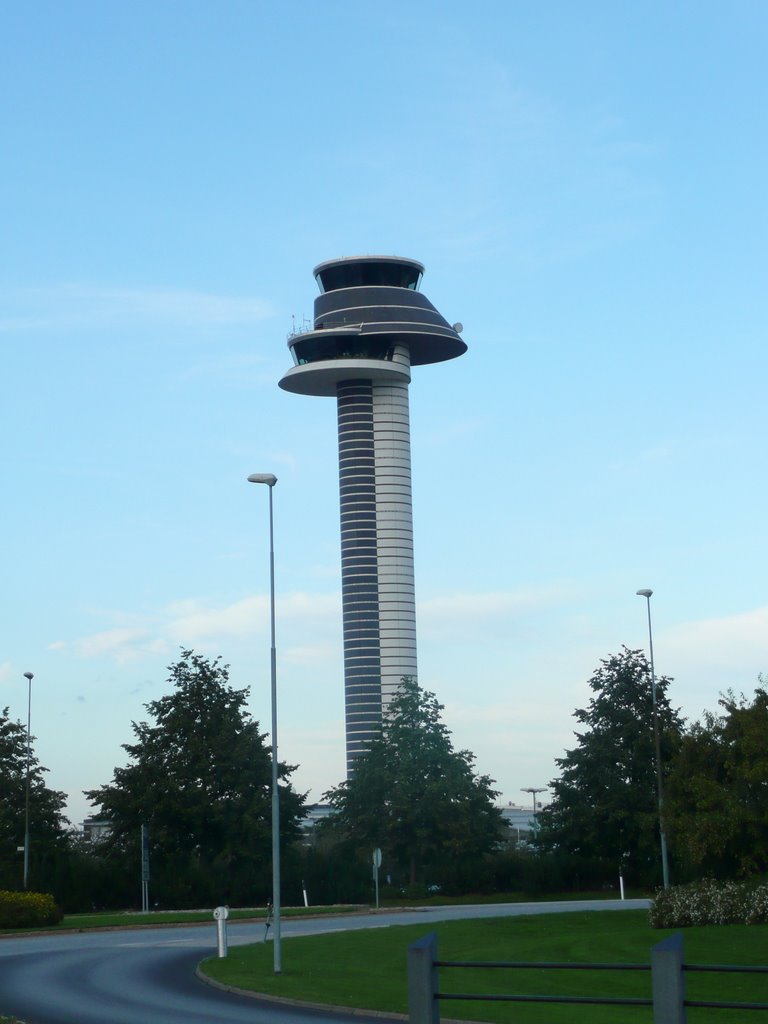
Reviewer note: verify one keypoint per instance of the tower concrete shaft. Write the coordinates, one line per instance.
(371, 325)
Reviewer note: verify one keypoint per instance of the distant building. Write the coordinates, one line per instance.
(95, 829)
(315, 814)
(519, 820)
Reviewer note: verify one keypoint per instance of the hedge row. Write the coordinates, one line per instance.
(710, 902)
(28, 909)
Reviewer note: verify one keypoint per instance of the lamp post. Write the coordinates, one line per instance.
(533, 790)
(270, 480)
(646, 593)
(29, 677)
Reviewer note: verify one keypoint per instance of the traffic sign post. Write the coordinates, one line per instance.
(376, 866)
(145, 869)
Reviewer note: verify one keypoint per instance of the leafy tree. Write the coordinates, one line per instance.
(199, 778)
(717, 795)
(416, 797)
(47, 824)
(604, 808)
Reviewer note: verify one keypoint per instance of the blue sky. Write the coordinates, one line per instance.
(586, 187)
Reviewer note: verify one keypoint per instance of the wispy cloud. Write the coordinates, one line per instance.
(194, 623)
(66, 306)
(736, 643)
(704, 657)
(312, 654)
(460, 612)
(122, 644)
(313, 616)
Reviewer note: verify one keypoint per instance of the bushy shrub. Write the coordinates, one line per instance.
(28, 909)
(710, 902)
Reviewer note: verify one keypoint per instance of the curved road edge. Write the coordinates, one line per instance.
(261, 997)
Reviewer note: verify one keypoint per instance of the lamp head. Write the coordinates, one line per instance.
(644, 593)
(263, 478)
(29, 676)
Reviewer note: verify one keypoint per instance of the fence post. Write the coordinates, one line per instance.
(668, 981)
(422, 981)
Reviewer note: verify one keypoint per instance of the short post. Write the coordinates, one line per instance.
(668, 981)
(422, 981)
(376, 866)
(145, 869)
(220, 916)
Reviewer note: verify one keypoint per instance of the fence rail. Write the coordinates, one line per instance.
(667, 970)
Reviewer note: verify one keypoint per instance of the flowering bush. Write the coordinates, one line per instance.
(28, 909)
(710, 902)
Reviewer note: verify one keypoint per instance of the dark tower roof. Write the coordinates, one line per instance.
(358, 271)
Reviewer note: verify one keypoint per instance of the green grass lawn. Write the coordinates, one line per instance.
(131, 919)
(368, 969)
(473, 899)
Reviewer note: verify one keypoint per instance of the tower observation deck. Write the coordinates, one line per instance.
(371, 325)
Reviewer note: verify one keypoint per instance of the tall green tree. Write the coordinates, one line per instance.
(416, 797)
(199, 778)
(604, 807)
(47, 824)
(717, 795)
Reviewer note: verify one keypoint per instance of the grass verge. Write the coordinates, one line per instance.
(368, 969)
(474, 899)
(131, 919)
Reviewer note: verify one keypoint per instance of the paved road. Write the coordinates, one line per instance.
(147, 976)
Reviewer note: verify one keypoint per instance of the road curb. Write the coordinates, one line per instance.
(301, 1003)
(349, 1011)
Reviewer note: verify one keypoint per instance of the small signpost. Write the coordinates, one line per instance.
(376, 866)
(144, 869)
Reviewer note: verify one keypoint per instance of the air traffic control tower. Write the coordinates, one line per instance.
(371, 325)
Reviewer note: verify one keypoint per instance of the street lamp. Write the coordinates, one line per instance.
(646, 593)
(533, 790)
(29, 677)
(270, 480)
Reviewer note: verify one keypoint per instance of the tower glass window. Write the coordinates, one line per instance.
(314, 348)
(364, 273)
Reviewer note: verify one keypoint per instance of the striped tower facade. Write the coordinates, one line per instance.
(371, 324)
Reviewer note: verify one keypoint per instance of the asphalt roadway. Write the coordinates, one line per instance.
(147, 976)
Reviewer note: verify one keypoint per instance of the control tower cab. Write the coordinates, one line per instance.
(371, 321)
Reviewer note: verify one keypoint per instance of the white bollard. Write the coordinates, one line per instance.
(220, 916)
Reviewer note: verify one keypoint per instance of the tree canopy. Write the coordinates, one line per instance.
(604, 808)
(47, 824)
(415, 797)
(717, 795)
(199, 778)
